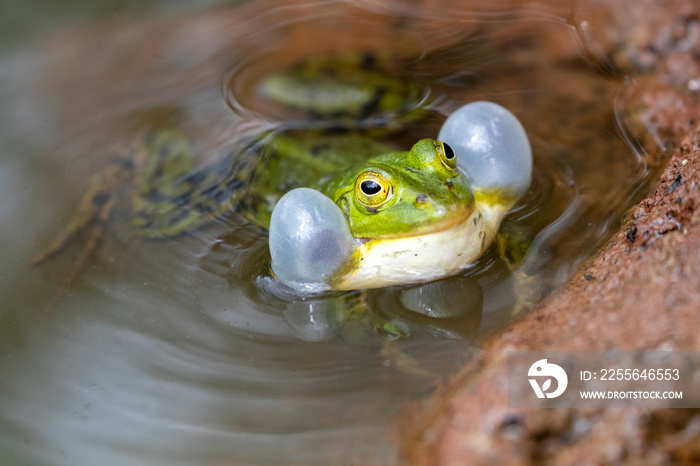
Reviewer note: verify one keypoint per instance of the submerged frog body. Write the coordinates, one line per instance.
(356, 213)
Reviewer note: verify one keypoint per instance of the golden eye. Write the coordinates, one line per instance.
(373, 189)
(447, 155)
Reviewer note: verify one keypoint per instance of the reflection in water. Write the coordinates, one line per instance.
(186, 351)
(449, 308)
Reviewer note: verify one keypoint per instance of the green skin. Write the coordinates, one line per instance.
(426, 196)
(170, 195)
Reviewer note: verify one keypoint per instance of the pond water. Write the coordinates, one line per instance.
(182, 352)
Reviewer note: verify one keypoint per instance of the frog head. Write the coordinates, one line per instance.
(405, 217)
(403, 193)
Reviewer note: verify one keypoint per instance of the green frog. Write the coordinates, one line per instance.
(344, 209)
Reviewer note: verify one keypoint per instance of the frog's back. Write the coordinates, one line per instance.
(170, 195)
(345, 105)
(292, 161)
(352, 90)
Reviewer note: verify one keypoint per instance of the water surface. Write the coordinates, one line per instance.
(184, 352)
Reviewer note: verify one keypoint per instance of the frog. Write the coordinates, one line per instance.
(169, 195)
(411, 216)
(344, 210)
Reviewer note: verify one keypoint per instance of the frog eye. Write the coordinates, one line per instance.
(373, 189)
(447, 155)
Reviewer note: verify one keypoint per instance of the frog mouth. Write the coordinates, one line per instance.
(447, 222)
(380, 262)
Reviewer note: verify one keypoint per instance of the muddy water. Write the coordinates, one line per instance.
(185, 352)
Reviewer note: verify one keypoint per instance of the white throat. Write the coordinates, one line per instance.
(394, 261)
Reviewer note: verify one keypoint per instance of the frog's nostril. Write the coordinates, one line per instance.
(422, 200)
(453, 190)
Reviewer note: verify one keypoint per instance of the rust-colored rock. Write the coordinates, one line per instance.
(640, 292)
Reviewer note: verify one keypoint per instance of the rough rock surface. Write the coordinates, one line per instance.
(640, 292)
